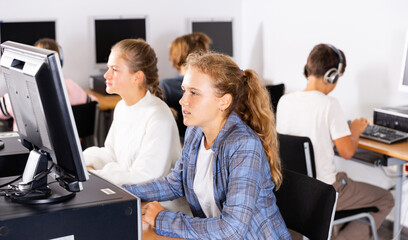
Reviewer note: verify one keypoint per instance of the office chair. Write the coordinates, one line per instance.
(275, 92)
(307, 205)
(86, 119)
(297, 154)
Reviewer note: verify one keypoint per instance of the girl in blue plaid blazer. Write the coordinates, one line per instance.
(229, 165)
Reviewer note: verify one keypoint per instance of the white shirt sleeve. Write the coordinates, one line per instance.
(155, 157)
(99, 157)
(337, 121)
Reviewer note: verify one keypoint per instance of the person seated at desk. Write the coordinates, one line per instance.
(314, 114)
(76, 94)
(142, 142)
(180, 48)
(229, 164)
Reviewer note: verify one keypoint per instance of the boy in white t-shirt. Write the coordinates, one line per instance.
(320, 117)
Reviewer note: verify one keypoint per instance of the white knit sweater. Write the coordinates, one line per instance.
(142, 143)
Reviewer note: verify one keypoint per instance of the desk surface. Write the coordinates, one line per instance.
(106, 102)
(150, 234)
(397, 150)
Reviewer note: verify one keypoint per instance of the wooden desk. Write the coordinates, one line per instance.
(397, 155)
(396, 150)
(150, 234)
(106, 102)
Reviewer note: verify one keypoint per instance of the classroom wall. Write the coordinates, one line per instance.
(166, 21)
(272, 37)
(279, 36)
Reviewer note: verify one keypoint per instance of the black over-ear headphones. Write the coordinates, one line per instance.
(332, 75)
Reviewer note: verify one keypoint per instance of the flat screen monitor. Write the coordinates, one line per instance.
(45, 122)
(404, 75)
(220, 32)
(27, 32)
(110, 30)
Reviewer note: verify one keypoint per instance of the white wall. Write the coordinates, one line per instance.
(272, 37)
(167, 20)
(371, 34)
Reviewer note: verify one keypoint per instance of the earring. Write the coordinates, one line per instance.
(222, 110)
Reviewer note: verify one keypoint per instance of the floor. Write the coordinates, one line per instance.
(384, 233)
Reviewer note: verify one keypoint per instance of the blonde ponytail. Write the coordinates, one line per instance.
(250, 100)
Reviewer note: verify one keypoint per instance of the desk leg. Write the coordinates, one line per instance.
(398, 195)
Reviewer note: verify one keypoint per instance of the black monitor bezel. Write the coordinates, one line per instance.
(36, 28)
(216, 39)
(99, 64)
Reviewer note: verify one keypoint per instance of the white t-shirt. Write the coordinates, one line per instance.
(142, 143)
(319, 117)
(203, 182)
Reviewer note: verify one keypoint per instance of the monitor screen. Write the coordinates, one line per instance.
(44, 119)
(26, 32)
(404, 74)
(109, 31)
(220, 33)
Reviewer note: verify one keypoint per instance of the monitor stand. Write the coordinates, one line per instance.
(34, 189)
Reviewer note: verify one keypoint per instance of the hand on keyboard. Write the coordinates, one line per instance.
(358, 125)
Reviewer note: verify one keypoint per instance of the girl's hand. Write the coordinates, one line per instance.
(150, 212)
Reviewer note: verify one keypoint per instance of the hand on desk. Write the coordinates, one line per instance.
(150, 212)
(90, 168)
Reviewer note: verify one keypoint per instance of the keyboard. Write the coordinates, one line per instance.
(383, 134)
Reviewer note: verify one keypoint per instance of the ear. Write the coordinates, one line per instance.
(138, 77)
(225, 101)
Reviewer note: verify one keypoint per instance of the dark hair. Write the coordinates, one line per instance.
(182, 46)
(321, 59)
(140, 56)
(250, 100)
(49, 44)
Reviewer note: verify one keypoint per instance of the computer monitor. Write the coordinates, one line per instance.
(27, 32)
(45, 122)
(220, 32)
(404, 73)
(110, 30)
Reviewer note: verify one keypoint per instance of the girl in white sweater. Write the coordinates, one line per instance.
(143, 141)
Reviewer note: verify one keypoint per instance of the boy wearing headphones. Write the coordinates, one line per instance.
(314, 114)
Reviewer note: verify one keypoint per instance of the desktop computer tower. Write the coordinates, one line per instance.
(13, 155)
(100, 211)
(392, 117)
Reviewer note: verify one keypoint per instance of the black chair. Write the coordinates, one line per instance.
(275, 92)
(297, 154)
(86, 120)
(307, 205)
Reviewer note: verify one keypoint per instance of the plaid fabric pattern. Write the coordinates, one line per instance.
(243, 189)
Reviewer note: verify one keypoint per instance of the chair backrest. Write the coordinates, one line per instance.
(275, 92)
(297, 154)
(86, 118)
(307, 205)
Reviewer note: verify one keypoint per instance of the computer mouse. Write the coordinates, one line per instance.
(1, 144)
